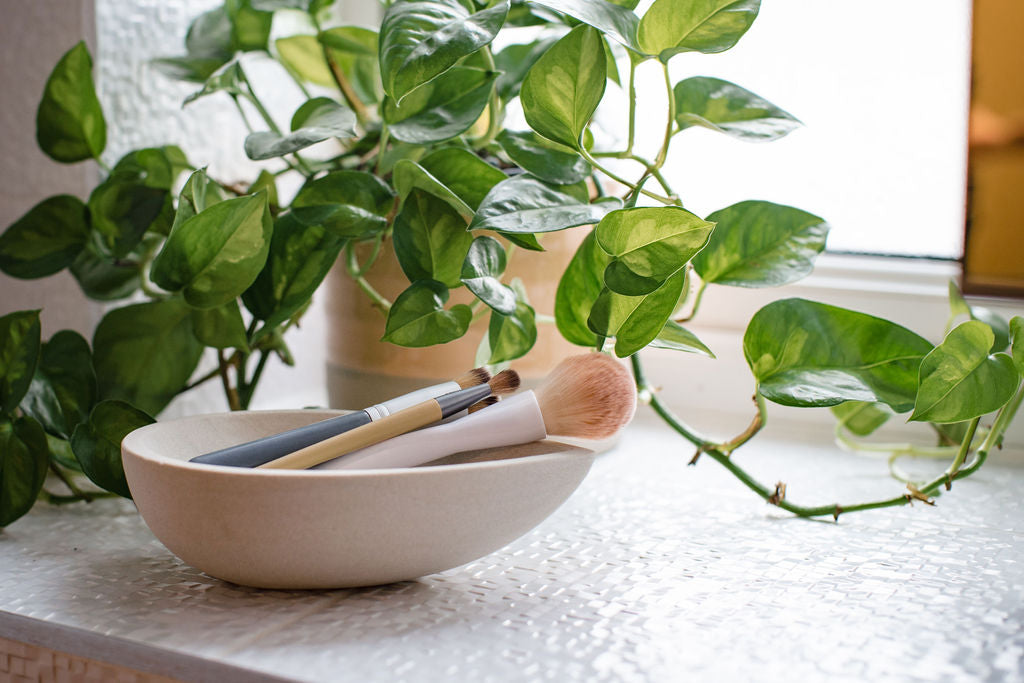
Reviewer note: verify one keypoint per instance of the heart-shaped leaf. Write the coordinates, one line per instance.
(761, 244)
(215, 255)
(676, 337)
(221, 327)
(635, 321)
(809, 354)
(199, 193)
(63, 388)
(511, 336)
(614, 19)
(104, 279)
(350, 204)
(441, 109)
(299, 259)
(578, 289)
(408, 175)
(46, 239)
(730, 109)
(418, 317)
(422, 39)
(145, 353)
(431, 239)
(24, 459)
(481, 273)
(544, 159)
(649, 245)
(318, 119)
(562, 90)
(673, 26)
(69, 122)
(19, 353)
(122, 208)
(304, 55)
(468, 176)
(354, 40)
(97, 443)
(250, 28)
(959, 380)
(227, 79)
(526, 205)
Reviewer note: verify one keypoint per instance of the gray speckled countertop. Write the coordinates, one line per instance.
(652, 571)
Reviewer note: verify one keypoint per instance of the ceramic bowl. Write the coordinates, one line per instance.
(335, 528)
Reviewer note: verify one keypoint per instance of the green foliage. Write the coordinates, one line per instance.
(414, 155)
(69, 123)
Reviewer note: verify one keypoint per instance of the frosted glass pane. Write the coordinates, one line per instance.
(882, 88)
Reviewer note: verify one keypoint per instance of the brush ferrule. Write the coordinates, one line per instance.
(398, 403)
(462, 399)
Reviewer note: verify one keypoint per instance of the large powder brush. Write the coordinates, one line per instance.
(590, 396)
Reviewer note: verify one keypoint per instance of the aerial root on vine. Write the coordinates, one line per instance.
(835, 514)
(696, 456)
(779, 495)
(914, 494)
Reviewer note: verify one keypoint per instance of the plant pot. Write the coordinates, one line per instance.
(362, 370)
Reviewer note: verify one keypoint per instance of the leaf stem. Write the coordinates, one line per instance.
(619, 179)
(248, 389)
(776, 495)
(495, 112)
(66, 480)
(229, 391)
(344, 87)
(352, 265)
(632, 107)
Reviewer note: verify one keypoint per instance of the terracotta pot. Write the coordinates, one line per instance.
(363, 370)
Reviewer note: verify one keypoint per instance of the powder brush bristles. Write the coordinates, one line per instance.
(590, 396)
(505, 382)
(489, 401)
(473, 377)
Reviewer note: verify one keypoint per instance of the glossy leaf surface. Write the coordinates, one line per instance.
(761, 244)
(431, 239)
(728, 108)
(221, 327)
(563, 88)
(418, 317)
(579, 287)
(481, 273)
(526, 205)
(317, 120)
(543, 159)
(442, 109)
(511, 336)
(97, 443)
(145, 353)
(24, 459)
(673, 26)
(103, 279)
(63, 388)
(676, 337)
(350, 204)
(649, 245)
(514, 61)
(464, 173)
(46, 239)
(297, 263)
(809, 354)
(215, 255)
(421, 39)
(616, 20)
(959, 380)
(635, 321)
(69, 122)
(19, 353)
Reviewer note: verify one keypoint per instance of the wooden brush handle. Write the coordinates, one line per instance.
(401, 422)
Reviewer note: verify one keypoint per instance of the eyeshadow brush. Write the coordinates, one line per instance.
(589, 396)
(413, 418)
(259, 451)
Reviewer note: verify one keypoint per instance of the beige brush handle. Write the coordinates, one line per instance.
(401, 422)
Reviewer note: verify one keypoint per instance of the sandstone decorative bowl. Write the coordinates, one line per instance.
(335, 528)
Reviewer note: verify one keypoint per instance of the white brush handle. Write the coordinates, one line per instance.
(513, 421)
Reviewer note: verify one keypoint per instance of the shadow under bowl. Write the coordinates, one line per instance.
(291, 529)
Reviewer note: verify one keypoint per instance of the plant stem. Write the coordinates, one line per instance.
(295, 77)
(382, 147)
(344, 87)
(619, 179)
(495, 114)
(776, 495)
(229, 391)
(54, 499)
(249, 388)
(304, 167)
(202, 380)
(75, 491)
(632, 107)
(103, 165)
(354, 271)
(659, 161)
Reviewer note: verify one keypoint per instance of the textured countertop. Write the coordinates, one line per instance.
(651, 571)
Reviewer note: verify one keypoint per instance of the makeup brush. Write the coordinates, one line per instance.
(259, 451)
(419, 415)
(590, 396)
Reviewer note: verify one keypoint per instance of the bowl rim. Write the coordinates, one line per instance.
(227, 470)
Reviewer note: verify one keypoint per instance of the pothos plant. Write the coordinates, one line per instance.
(422, 163)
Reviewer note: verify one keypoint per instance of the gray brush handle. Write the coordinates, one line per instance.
(260, 451)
